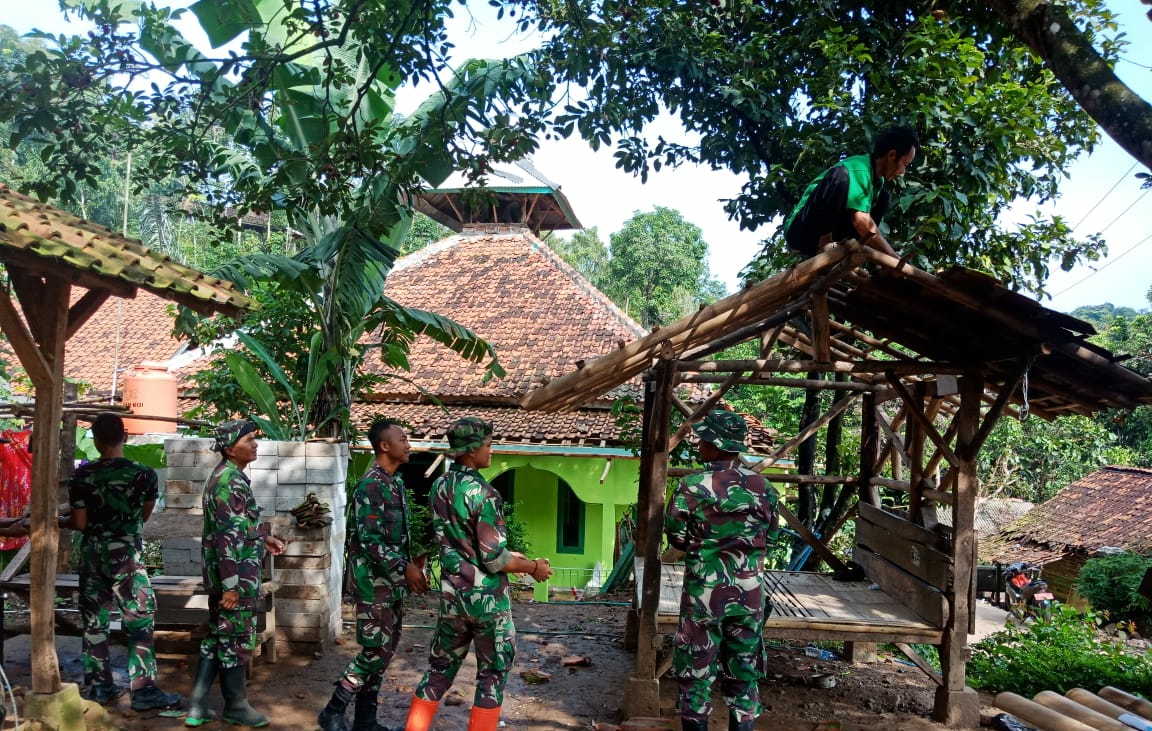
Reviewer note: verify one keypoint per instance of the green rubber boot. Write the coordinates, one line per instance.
(234, 686)
(198, 711)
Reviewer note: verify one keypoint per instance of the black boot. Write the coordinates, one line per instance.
(734, 725)
(233, 685)
(151, 698)
(332, 717)
(198, 711)
(691, 724)
(367, 700)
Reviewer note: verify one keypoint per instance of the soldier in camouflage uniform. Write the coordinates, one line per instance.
(383, 572)
(111, 498)
(475, 603)
(721, 521)
(233, 549)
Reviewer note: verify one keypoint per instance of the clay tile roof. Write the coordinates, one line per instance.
(428, 422)
(145, 333)
(541, 315)
(992, 514)
(1110, 507)
(42, 238)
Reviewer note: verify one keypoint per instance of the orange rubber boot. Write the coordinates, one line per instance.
(420, 714)
(484, 719)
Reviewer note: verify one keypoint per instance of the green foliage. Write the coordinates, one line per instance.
(586, 253)
(658, 267)
(300, 123)
(1101, 316)
(1111, 584)
(776, 92)
(422, 232)
(1064, 653)
(516, 531)
(1034, 459)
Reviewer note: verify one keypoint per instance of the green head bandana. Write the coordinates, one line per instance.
(723, 429)
(230, 432)
(467, 435)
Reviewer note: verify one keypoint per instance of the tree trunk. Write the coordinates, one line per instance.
(1052, 34)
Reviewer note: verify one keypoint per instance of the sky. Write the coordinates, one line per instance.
(1101, 194)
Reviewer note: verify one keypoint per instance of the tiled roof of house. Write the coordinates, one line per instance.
(511, 425)
(1110, 507)
(992, 514)
(541, 315)
(122, 334)
(41, 238)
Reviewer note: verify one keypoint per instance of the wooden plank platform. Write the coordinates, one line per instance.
(161, 584)
(810, 606)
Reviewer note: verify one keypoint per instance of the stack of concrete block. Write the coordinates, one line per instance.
(310, 573)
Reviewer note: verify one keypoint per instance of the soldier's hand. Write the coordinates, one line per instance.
(275, 546)
(543, 570)
(230, 599)
(415, 578)
(672, 555)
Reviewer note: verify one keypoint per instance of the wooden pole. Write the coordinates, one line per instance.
(656, 436)
(869, 449)
(65, 469)
(956, 704)
(1096, 703)
(52, 313)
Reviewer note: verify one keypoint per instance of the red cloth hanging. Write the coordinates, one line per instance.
(15, 481)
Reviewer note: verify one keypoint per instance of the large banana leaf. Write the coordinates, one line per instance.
(253, 384)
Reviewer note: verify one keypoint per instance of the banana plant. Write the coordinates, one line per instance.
(301, 119)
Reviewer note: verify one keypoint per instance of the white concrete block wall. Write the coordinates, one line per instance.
(282, 476)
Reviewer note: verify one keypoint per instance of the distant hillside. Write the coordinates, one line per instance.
(1101, 315)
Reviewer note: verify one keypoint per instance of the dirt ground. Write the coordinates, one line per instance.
(888, 695)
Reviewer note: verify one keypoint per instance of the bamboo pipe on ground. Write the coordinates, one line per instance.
(1041, 717)
(1139, 706)
(1083, 714)
(1095, 702)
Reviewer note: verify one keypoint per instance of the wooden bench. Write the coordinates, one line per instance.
(902, 602)
(181, 607)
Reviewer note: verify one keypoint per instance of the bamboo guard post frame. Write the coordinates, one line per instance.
(932, 360)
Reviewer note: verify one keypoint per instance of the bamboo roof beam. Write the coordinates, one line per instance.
(787, 382)
(714, 321)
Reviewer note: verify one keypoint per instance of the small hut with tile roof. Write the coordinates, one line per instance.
(1110, 508)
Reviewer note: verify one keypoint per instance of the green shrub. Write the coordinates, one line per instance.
(1057, 655)
(1112, 584)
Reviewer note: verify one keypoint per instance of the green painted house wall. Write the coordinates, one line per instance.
(537, 484)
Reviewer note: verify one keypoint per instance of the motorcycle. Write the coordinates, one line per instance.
(1027, 594)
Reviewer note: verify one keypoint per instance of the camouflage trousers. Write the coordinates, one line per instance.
(378, 632)
(495, 638)
(231, 635)
(111, 573)
(731, 647)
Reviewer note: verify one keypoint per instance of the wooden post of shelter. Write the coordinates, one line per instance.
(957, 705)
(45, 251)
(642, 696)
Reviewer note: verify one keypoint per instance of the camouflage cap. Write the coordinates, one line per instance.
(467, 435)
(230, 432)
(722, 429)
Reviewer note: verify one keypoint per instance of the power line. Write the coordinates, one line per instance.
(1110, 262)
(1116, 185)
(1130, 207)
